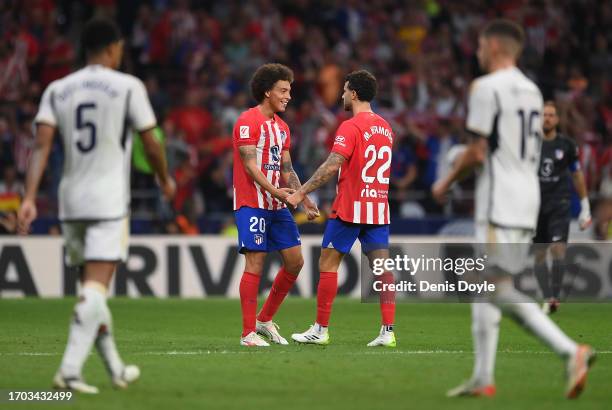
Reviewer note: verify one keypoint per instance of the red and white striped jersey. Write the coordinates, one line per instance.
(270, 137)
(363, 185)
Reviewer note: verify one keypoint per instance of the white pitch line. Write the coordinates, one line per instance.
(364, 353)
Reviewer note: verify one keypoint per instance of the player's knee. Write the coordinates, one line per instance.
(557, 250)
(254, 267)
(540, 255)
(325, 265)
(485, 316)
(294, 266)
(330, 260)
(254, 263)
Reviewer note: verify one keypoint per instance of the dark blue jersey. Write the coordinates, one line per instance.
(559, 159)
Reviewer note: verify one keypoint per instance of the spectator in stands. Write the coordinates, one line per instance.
(13, 71)
(437, 145)
(57, 54)
(196, 59)
(191, 117)
(7, 140)
(8, 223)
(10, 184)
(216, 186)
(403, 172)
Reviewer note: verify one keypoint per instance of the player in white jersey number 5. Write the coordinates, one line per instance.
(94, 110)
(504, 115)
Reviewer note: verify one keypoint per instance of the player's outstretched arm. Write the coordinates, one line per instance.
(473, 156)
(293, 181)
(329, 168)
(584, 219)
(38, 163)
(288, 173)
(157, 157)
(248, 156)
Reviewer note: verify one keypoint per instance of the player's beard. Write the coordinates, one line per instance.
(347, 105)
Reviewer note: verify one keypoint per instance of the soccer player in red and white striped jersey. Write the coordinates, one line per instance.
(362, 154)
(271, 138)
(261, 160)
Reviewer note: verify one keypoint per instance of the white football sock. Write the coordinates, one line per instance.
(83, 329)
(320, 329)
(522, 309)
(105, 343)
(485, 333)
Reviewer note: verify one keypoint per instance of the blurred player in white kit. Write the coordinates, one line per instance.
(505, 118)
(94, 111)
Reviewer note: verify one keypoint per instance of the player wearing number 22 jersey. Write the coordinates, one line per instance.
(363, 186)
(362, 155)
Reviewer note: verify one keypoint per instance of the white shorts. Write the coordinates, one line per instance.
(507, 249)
(96, 241)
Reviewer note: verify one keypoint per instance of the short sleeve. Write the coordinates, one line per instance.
(244, 132)
(287, 142)
(46, 109)
(482, 108)
(345, 140)
(140, 111)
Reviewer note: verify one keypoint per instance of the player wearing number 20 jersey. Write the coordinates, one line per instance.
(271, 137)
(261, 161)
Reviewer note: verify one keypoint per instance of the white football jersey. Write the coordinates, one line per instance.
(506, 107)
(94, 110)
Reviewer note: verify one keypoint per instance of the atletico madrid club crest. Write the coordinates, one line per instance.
(258, 239)
(559, 154)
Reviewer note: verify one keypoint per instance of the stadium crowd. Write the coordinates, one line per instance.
(196, 58)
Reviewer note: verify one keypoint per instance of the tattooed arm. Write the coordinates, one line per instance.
(248, 155)
(288, 173)
(293, 181)
(328, 169)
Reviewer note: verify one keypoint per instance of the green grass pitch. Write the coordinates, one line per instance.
(190, 358)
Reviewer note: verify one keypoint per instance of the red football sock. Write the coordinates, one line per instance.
(387, 301)
(249, 288)
(326, 292)
(281, 286)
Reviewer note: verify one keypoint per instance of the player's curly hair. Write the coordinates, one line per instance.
(363, 83)
(266, 76)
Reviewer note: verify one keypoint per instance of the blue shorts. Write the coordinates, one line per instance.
(263, 230)
(341, 236)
